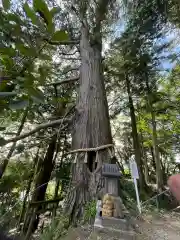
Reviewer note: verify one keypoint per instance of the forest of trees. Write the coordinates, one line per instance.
(83, 83)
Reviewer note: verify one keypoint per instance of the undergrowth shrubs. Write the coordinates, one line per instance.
(56, 229)
(90, 211)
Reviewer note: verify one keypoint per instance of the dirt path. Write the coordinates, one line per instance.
(164, 227)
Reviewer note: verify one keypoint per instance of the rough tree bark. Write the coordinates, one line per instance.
(92, 125)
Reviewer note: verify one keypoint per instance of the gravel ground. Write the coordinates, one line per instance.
(164, 227)
(153, 227)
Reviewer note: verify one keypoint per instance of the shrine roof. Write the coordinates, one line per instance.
(110, 170)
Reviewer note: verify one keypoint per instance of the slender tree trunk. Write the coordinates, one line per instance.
(153, 158)
(163, 168)
(24, 202)
(144, 157)
(92, 125)
(45, 174)
(28, 189)
(146, 169)
(58, 183)
(159, 177)
(120, 164)
(136, 142)
(31, 224)
(42, 183)
(10, 153)
(55, 197)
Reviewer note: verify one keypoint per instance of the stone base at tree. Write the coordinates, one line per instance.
(119, 228)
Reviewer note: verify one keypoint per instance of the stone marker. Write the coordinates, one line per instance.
(98, 218)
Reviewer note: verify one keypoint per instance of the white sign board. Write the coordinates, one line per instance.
(134, 170)
(135, 176)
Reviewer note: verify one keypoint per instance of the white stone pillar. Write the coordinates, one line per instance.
(98, 218)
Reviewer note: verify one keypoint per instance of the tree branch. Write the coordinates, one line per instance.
(35, 130)
(71, 58)
(69, 80)
(101, 10)
(69, 54)
(46, 202)
(10, 133)
(69, 70)
(73, 42)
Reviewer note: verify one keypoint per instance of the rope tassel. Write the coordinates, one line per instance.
(86, 157)
(97, 157)
(75, 159)
(113, 152)
(110, 153)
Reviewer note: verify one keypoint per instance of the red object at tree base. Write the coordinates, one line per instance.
(174, 185)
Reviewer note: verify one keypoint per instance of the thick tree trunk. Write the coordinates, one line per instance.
(42, 183)
(136, 142)
(5, 162)
(92, 126)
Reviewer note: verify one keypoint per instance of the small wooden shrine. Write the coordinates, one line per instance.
(111, 175)
(111, 202)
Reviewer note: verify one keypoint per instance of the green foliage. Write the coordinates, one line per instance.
(26, 58)
(6, 4)
(56, 229)
(30, 13)
(36, 94)
(90, 211)
(13, 183)
(26, 51)
(41, 7)
(127, 172)
(60, 36)
(55, 10)
(127, 187)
